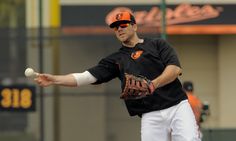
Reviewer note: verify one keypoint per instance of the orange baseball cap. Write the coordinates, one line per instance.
(122, 17)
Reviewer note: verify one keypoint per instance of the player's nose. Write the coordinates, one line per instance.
(119, 28)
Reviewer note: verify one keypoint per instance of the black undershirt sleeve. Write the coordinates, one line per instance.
(105, 71)
(168, 54)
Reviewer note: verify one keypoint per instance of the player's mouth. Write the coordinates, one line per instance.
(121, 34)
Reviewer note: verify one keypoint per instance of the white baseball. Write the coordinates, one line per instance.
(29, 72)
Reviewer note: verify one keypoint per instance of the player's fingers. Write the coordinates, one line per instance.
(43, 83)
(39, 75)
(37, 80)
(42, 75)
(48, 77)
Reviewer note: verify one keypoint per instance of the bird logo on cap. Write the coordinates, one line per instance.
(119, 16)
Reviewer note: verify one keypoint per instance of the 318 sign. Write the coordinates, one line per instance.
(17, 98)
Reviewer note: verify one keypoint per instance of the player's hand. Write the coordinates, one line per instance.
(45, 80)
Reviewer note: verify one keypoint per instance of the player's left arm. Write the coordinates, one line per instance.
(172, 69)
(170, 73)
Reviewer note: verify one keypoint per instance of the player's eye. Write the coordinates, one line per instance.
(121, 26)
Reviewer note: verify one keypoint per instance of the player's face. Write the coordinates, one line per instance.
(124, 32)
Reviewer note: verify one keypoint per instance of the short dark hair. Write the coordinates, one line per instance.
(188, 86)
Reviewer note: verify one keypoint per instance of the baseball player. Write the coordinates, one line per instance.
(200, 109)
(148, 70)
(194, 101)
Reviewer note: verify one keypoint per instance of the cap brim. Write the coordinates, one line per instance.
(114, 24)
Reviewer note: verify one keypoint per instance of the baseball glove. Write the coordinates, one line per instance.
(136, 87)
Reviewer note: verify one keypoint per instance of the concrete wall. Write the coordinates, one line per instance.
(227, 80)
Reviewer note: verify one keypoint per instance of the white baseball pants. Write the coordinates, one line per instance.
(176, 123)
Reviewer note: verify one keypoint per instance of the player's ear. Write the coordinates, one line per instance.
(135, 27)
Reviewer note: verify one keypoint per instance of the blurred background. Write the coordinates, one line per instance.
(66, 36)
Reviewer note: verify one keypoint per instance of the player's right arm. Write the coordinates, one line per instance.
(70, 80)
(106, 70)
